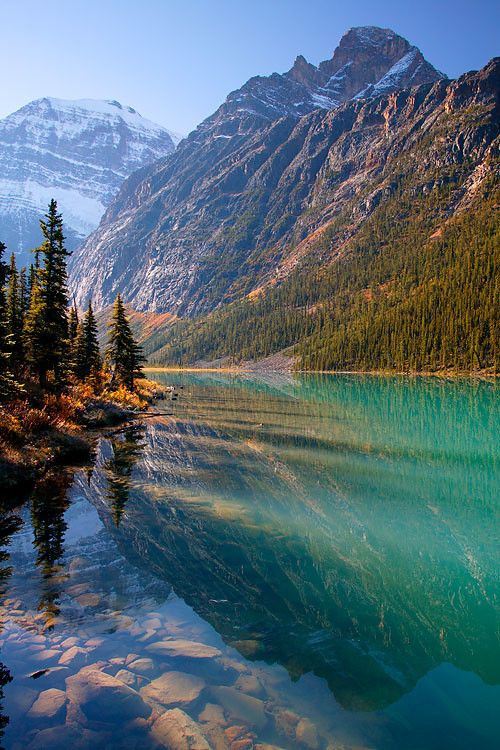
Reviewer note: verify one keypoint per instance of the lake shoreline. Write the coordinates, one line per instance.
(23, 464)
(477, 374)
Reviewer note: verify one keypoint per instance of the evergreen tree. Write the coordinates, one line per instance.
(123, 354)
(31, 280)
(24, 296)
(15, 314)
(7, 383)
(34, 338)
(72, 324)
(46, 322)
(88, 358)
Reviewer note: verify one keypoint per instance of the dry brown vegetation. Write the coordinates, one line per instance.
(43, 429)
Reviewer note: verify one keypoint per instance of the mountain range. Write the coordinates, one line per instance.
(338, 216)
(78, 152)
(190, 232)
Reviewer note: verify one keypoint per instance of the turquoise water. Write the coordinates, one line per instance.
(334, 538)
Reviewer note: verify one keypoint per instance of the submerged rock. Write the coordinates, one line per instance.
(175, 730)
(173, 688)
(101, 697)
(129, 678)
(286, 722)
(241, 706)
(141, 666)
(49, 705)
(69, 642)
(183, 648)
(72, 654)
(67, 736)
(88, 600)
(249, 684)
(213, 714)
(47, 654)
(306, 733)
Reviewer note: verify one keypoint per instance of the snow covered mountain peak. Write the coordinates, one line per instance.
(96, 109)
(78, 152)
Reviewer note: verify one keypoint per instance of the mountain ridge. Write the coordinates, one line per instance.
(404, 203)
(78, 151)
(162, 229)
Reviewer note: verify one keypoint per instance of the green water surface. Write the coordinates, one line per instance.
(340, 534)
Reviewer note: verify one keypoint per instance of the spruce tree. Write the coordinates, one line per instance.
(73, 324)
(7, 382)
(88, 358)
(24, 297)
(123, 354)
(14, 314)
(34, 338)
(46, 321)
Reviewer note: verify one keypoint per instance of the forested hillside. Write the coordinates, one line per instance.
(416, 291)
(389, 258)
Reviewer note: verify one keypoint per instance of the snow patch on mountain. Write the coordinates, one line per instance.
(78, 152)
(81, 212)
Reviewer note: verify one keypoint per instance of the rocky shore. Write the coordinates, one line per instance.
(169, 692)
(25, 458)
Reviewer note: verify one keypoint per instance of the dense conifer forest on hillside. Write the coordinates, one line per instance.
(414, 291)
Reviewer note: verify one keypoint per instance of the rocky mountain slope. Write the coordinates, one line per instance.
(390, 249)
(78, 152)
(220, 216)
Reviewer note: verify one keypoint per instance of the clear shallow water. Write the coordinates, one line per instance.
(335, 539)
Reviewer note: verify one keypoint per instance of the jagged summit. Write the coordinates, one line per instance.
(364, 58)
(368, 61)
(190, 222)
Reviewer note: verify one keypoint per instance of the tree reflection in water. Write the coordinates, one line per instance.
(48, 505)
(127, 448)
(9, 524)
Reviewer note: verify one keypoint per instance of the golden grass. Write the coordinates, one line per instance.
(22, 420)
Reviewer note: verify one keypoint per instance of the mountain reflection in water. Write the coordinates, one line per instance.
(344, 526)
(332, 542)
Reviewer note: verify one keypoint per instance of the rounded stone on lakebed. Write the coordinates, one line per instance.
(88, 600)
(306, 733)
(130, 678)
(241, 706)
(175, 730)
(141, 665)
(47, 654)
(173, 688)
(213, 714)
(48, 705)
(102, 697)
(182, 648)
(64, 736)
(72, 654)
(249, 684)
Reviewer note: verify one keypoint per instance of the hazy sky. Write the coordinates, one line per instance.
(175, 61)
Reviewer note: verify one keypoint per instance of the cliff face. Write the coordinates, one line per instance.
(219, 216)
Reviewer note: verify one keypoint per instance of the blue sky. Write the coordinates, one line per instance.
(176, 60)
